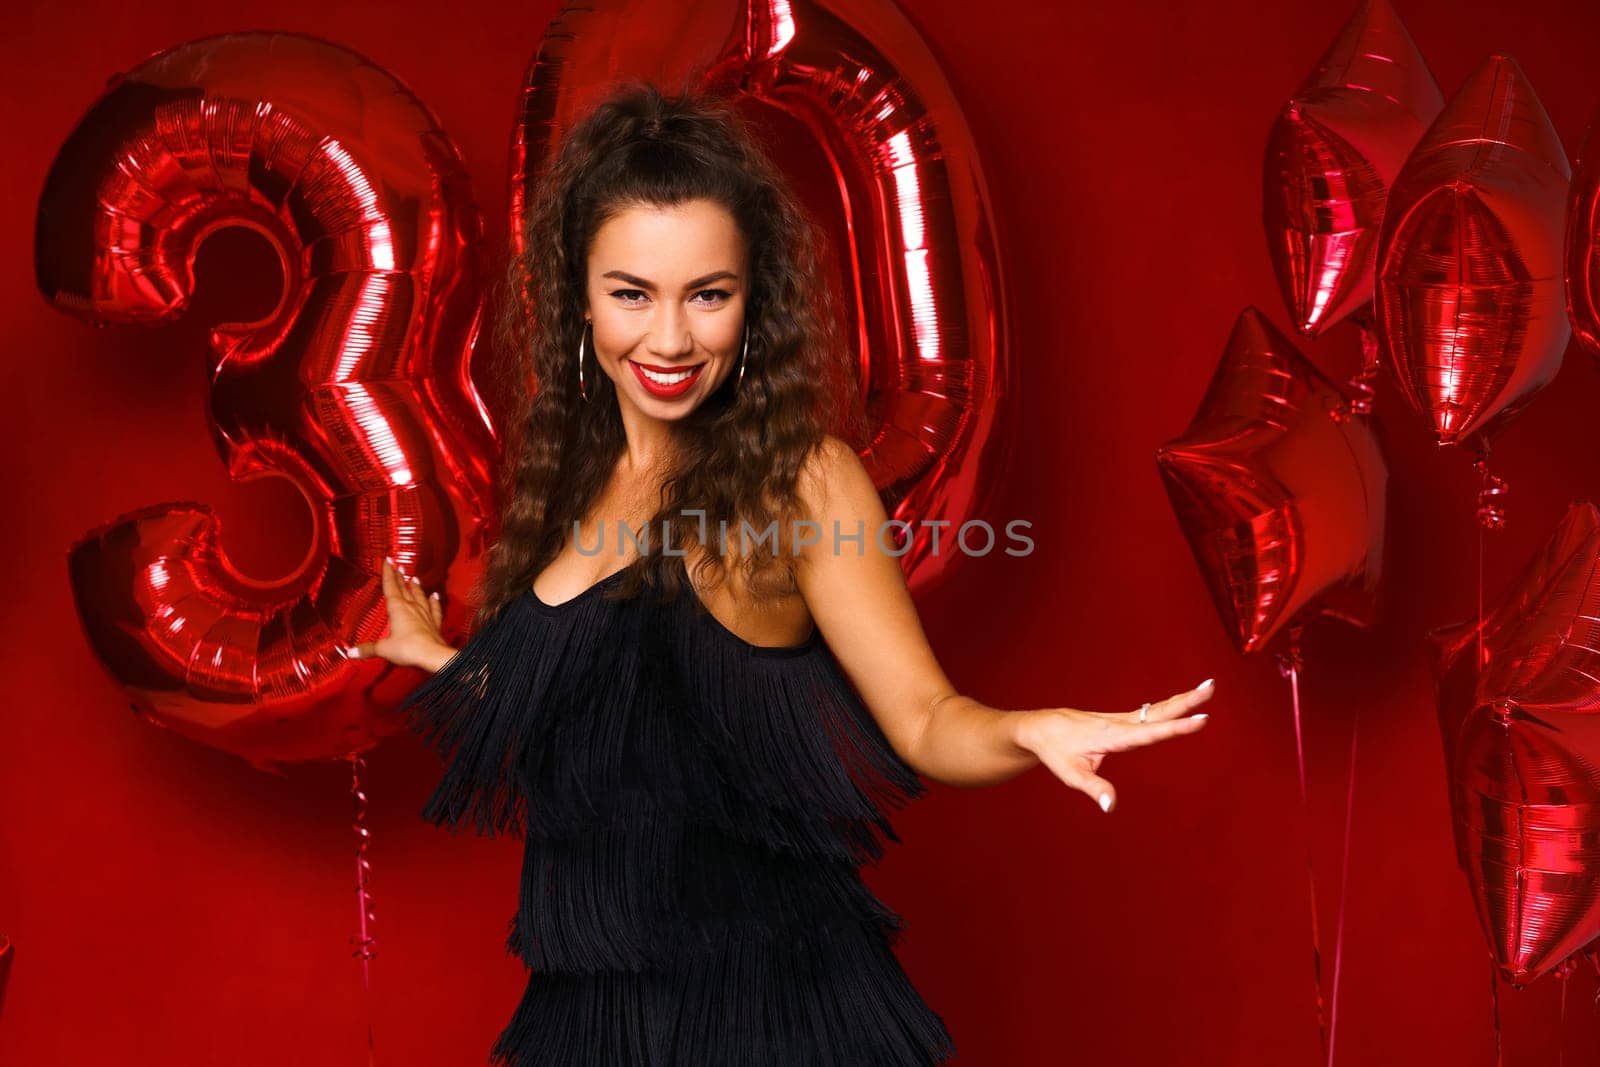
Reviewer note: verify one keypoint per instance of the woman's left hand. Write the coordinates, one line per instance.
(1072, 743)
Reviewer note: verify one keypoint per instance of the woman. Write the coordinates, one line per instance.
(700, 770)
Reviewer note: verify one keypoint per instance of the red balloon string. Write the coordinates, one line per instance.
(1494, 1001)
(1491, 515)
(1564, 971)
(1344, 880)
(1477, 656)
(366, 943)
(1484, 523)
(1362, 386)
(1592, 954)
(1290, 663)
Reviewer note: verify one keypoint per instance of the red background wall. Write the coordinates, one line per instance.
(172, 906)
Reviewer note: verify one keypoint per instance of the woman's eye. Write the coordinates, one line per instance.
(627, 296)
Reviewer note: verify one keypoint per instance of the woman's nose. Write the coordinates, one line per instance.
(669, 335)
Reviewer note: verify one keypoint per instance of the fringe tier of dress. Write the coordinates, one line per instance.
(695, 810)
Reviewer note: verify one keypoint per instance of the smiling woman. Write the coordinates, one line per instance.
(701, 744)
(674, 338)
(696, 779)
(687, 348)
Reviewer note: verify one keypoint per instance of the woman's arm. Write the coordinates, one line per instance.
(973, 744)
(437, 657)
(858, 596)
(413, 638)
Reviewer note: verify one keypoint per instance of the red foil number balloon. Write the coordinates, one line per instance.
(1471, 301)
(1333, 152)
(354, 387)
(1522, 752)
(925, 289)
(1280, 492)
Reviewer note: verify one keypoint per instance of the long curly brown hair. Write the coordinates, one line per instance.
(740, 453)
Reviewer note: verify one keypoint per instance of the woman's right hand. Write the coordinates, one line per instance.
(414, 638)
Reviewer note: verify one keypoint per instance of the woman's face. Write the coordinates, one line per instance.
(666, 294)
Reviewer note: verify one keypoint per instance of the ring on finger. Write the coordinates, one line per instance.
(1144, 711)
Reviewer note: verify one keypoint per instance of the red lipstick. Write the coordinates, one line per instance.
(657, 389)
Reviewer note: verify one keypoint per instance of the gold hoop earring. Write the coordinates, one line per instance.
(581, 338)
(743, 353)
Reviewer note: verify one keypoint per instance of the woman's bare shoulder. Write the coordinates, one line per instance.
(831, 460)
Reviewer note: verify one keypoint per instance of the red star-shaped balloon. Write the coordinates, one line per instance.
(1522, 752)
(1471, 297)
(1279, 490)
(1335, 147)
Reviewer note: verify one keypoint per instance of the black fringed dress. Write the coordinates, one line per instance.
(694, 810)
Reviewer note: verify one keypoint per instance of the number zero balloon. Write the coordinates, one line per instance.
(925, 285)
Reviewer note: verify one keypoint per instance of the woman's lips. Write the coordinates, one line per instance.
(666, 392)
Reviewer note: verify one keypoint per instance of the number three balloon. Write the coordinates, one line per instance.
(926, 287)
(354, 387)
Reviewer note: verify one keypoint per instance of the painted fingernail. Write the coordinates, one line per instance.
(352, 653)
(1105, 801)
(1202, 715)
(1205, 684)
(434, 594)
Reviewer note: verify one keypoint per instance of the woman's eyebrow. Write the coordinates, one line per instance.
(641, 283)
